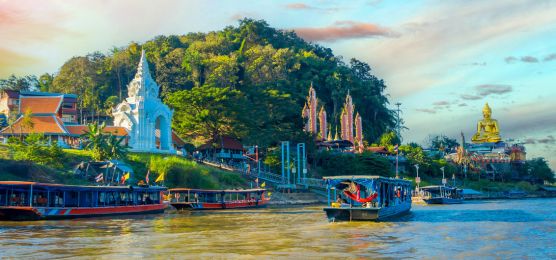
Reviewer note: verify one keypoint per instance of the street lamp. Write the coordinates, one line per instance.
(417, 179)
(443, 179)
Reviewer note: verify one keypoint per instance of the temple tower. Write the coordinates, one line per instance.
(358, 133)
(344, 126)
(310, 111)
(323, 124)
(142, 113)
(349, 107)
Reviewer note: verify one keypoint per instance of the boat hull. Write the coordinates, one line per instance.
(38, 213)
(366, 214)
(443, 201)
(209, 206)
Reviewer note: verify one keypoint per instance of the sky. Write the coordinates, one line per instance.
(443, 60)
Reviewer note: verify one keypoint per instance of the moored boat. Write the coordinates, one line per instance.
(199, 199)
(367, 198)
(35, 201)
(439, 194)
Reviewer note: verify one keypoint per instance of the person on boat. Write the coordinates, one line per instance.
(148, 200)
(41, 201)
(196, 198)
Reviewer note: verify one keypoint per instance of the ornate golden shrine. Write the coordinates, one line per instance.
(487, 128)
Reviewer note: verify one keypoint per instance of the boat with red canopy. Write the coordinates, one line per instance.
(366, 198)
(199, 199)
(35, 201)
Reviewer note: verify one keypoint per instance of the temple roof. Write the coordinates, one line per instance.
(227, 143)
(47, 124)
(81, 129)
(40, 104)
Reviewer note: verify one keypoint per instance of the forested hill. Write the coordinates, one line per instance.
(248, 81)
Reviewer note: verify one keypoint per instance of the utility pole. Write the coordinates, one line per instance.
(398, 122)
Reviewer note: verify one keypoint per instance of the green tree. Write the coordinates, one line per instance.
(114, 147)
(38, 149)
(538, 168)
(443, 143)
(389, 140)
(26, 124)
(95, 141)
(25, 83)
(45, 82)
(207, 113)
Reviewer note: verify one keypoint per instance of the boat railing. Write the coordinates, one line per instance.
(313, 182)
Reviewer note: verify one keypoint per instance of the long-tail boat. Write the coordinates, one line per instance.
(199, 199)
(366, 198)
(35, 201)
(439, 194)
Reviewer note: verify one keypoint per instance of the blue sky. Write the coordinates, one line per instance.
(441, 59)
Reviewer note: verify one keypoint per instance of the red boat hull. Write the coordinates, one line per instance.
(40, 213)
(226, 205)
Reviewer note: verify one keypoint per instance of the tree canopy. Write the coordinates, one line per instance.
(260, 74)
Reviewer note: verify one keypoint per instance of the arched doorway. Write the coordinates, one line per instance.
(161, 133)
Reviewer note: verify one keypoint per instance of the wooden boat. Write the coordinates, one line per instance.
(36, 201)
(440, 194)
(367, 198)
(199, 199)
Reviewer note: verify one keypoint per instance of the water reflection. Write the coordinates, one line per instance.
(524, 228)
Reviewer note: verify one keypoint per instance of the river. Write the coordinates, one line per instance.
(476, 229)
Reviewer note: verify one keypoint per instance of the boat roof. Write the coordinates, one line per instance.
(79, 187)
(335, 182)
(215, 191)
(437, 187)
(365, 177)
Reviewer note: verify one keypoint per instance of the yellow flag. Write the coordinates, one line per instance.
(126, 176)
(160, 178)
(263, 185)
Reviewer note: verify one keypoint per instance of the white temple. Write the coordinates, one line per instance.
(146, 118)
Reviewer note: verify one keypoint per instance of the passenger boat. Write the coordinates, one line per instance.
(440, 194)
(199, 199)
(367, 198)
(36, 201)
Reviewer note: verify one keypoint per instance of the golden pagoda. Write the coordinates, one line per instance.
(487, 128)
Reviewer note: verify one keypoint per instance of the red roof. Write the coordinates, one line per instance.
(377, 149)
(227, 143)
(48, 124)
(40, 105)
(177, 140)
(81, 129)
(116, 130)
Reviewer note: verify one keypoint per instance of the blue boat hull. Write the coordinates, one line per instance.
(443, 201)
(366, 214)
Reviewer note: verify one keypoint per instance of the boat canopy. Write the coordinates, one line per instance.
(437, 188)
(216, 191)
(51, 186)
(340, 182)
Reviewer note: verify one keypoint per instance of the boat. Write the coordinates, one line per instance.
(367, 198)
(21, 200)
(440, 194)
(200, 199)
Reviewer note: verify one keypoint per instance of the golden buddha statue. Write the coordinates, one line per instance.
(487, 129)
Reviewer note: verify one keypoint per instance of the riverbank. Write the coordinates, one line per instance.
(178, 171)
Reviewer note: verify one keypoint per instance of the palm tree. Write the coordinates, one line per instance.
(95, 141)
(114, 147)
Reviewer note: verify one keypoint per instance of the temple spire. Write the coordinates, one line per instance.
(143, 67)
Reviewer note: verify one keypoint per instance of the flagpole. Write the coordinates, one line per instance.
(397, 152)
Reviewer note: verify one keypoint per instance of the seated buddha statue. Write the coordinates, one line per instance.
(487, 129)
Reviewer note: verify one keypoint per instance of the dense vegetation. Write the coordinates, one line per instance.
(248, 81)
(179, 172)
